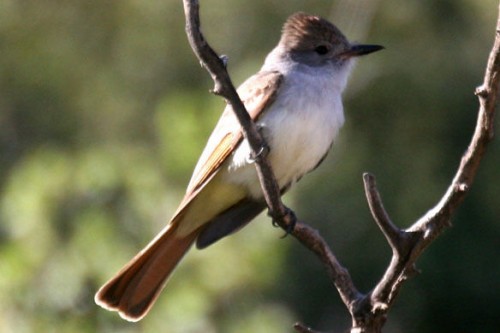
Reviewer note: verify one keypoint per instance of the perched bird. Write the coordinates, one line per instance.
(295, 100)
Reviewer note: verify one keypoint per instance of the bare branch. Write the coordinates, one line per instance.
(420, 235)
(311, 239)
(225, 88)
(401, 243)
(368, 311)
(487, 93)
(283, 216)
(390, 231)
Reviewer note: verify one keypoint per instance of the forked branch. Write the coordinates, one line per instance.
(368, 311)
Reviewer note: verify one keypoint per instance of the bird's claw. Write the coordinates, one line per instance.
(291, 221)
(263, 151)
(225, 59)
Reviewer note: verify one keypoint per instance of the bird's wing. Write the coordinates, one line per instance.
(256, 93)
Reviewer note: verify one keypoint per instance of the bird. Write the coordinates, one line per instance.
(295, 100)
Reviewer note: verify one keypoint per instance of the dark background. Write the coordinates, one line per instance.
(104, 111)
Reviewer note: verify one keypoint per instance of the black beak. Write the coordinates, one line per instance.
(362, 49)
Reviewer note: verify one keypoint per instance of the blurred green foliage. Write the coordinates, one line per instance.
(104, 110)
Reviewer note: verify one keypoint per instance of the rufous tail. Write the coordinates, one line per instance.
(134, 289)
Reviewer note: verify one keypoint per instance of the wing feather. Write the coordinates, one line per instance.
(256, 93)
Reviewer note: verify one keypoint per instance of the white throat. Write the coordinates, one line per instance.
(300, 126)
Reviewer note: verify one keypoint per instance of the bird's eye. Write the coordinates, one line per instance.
(321, 49)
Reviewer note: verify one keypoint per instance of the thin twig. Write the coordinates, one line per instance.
(339, 275)
(390, 231)
(225, 88)
(437, 219)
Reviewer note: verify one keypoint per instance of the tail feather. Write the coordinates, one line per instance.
(134, 289)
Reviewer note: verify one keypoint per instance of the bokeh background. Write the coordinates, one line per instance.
(104, 111)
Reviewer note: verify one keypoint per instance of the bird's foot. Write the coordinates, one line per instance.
(288, 217)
